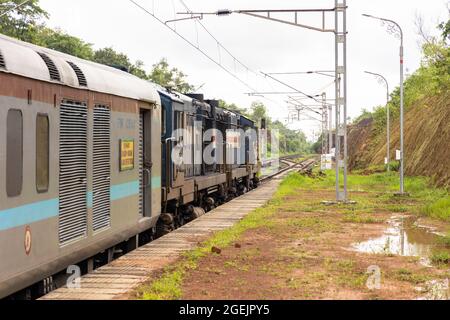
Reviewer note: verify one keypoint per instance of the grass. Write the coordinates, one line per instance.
(445, 240)
(380, 187)
(425, 199)
(363, 219)
(440, 258)
(168, 286)
(409, 276)
(439, 209)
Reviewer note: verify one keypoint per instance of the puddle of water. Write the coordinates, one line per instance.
(403, 237)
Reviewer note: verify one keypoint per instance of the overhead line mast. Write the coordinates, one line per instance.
(340, 33)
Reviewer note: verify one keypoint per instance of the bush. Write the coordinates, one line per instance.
(394, 166)
(439, 209)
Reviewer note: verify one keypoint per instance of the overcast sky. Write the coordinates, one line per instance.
(260, 45)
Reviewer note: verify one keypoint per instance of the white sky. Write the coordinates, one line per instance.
(259, 44)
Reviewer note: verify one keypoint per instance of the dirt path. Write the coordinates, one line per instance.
(303, 251)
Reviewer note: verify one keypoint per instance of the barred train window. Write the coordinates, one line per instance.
(14, 153)
(42, 152)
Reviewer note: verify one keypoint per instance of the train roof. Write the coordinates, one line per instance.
(31, 61)
(177, 96)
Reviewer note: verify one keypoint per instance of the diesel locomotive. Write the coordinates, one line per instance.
(86, 163)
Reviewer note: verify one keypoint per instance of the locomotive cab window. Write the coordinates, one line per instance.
(14, 153)
(179, 124)
(42, 153)
(163, 120)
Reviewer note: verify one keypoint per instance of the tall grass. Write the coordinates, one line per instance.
(431, 201)
(439, 209)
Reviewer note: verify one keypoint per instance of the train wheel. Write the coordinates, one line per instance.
(165, 225)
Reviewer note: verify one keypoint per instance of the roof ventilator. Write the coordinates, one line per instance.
(54, 73)
(80, 75)
(2, 61)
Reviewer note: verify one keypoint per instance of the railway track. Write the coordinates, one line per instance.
(117, 279)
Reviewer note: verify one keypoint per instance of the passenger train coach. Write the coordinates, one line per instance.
(86, 170)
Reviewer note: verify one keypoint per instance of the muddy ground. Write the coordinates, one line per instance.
(306, 252)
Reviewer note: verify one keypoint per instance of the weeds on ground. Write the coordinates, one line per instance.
(381, 186)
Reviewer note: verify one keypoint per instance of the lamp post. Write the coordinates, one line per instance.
(394, 28)
(388, 117)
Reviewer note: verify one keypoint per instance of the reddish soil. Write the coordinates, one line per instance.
(306, 255)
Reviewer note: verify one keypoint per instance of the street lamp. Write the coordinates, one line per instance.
(388, 117)
(394, 28)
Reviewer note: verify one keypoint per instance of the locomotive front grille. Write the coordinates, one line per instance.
(73, 171)
(101, 211)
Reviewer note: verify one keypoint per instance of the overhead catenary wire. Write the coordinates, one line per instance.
(135, 3)
(193, 45)
(14, 8)
(291, 87)
(235, 59)
(219, 44)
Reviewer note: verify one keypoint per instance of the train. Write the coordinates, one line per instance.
(87, 164)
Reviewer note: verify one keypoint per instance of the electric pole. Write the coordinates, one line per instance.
(340, 38)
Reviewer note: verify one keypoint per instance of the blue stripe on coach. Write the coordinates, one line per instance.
(28, 214)
(42, 210)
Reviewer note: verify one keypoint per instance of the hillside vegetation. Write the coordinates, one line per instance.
(427, 121)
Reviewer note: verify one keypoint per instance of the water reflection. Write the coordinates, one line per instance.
(403, 238)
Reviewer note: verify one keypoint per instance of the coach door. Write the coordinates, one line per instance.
(145, 164)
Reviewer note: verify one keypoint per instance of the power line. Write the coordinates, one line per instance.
(206, 54)
(291, 87)
(14, 8)
(193, 45)
(220, 45)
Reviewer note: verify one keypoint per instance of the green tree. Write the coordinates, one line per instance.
(137, 69)
(112, 58)
(258, 111)
(170, 77)
(233, 107)
(63, 42)
(24, 22)
(290, 141)
(445, 27)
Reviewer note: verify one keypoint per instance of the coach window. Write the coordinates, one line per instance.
(14, 153)
(42, 153)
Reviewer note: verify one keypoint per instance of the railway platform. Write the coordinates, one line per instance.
(117, 279)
